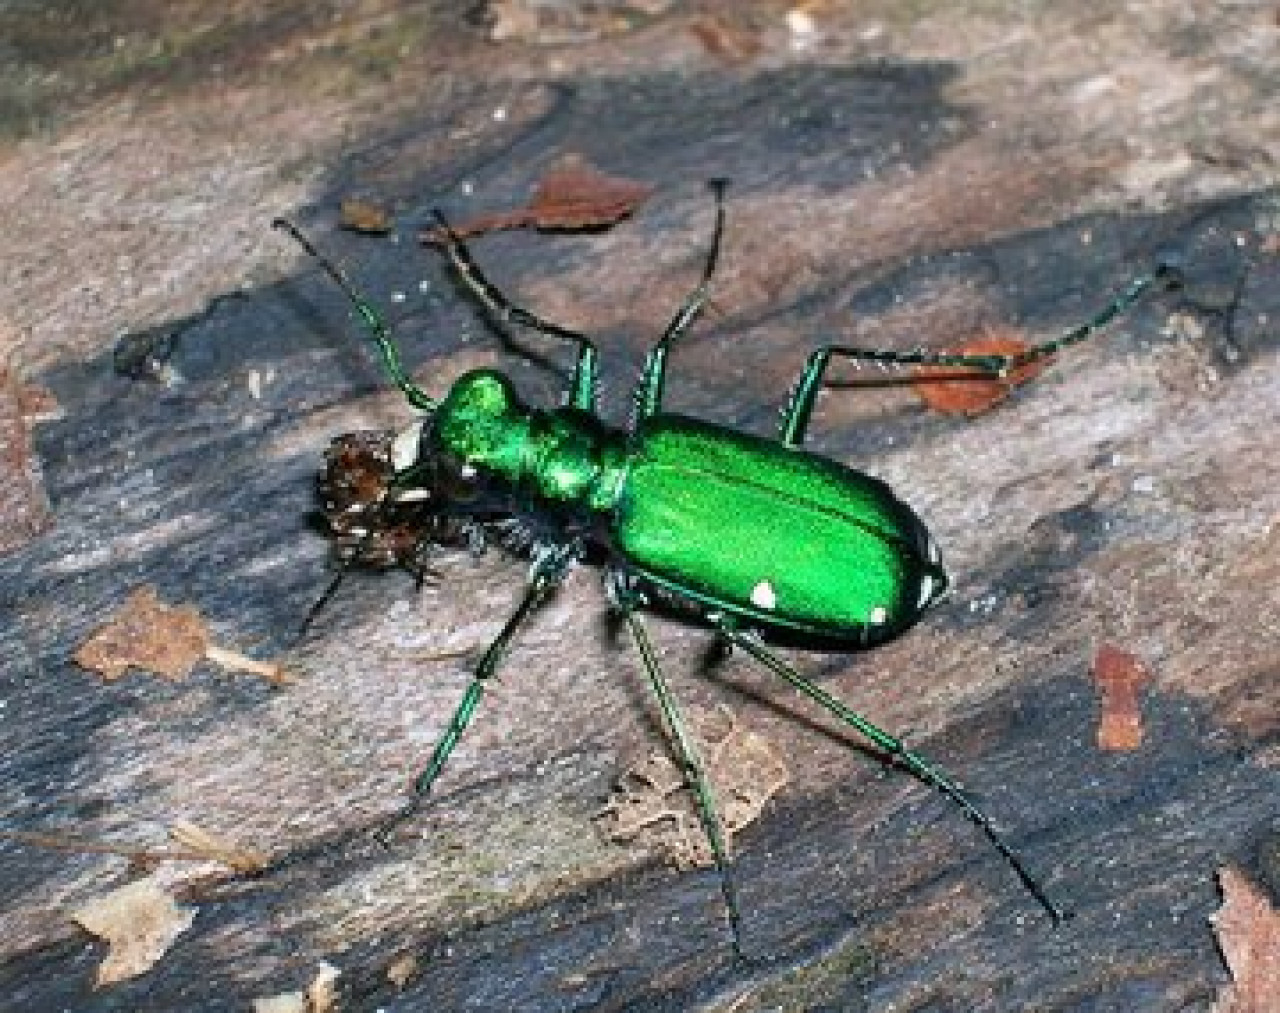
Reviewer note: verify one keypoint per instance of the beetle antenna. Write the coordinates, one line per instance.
(324, 598)
(374, 325)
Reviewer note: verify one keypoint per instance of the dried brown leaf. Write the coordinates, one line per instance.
(322, 993)
(730, 41)
(401, 970)
(651, 802)
(38, 404)
(321, 996)
(140, 922)
(572, 195)
(513, 20)
(168, 640)
(360, 215)
(1248, 929)
(146, 634)
(971, 391)
(1119, 677)
(140, 859)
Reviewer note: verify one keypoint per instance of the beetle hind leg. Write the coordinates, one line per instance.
(624, 599)
(897, 752)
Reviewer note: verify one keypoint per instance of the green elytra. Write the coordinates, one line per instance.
(760, 536)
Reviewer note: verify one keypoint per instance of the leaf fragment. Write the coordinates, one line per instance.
(167, 640)
(234, 661)
(728, 40)
(360, 215)
(322, 993)
(285, 1002)
(958, 390)
(401, 970)
(557, 23)
(139, 921)
(24, 507)
(216, 848)
(572, 195)
(1119, 677)
(321, 996)
(1248, 930)
(652, 803)
(147, 634)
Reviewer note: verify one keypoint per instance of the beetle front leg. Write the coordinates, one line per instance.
(897, 752)
(550, 565)
(624, 599)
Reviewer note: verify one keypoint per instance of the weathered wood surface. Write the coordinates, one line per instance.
(901, 185)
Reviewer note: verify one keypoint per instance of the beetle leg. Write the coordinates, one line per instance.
(898, 753)
(648, 392)
(582, 388)
(623, 599)
(551, 563)
(796, 415)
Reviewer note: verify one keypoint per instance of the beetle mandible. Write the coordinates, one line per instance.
(757, 536)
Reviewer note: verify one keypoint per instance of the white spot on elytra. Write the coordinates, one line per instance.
(878, 615)
(763, 595)
(468, 471)
(926, 591)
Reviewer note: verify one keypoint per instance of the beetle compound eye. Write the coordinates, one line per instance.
(458, 480)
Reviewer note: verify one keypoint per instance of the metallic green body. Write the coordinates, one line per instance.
(788, 538)
(739, 524)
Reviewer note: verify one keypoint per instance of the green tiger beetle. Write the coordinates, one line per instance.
(757, 536)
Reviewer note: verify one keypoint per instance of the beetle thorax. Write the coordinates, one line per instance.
(566, 455)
